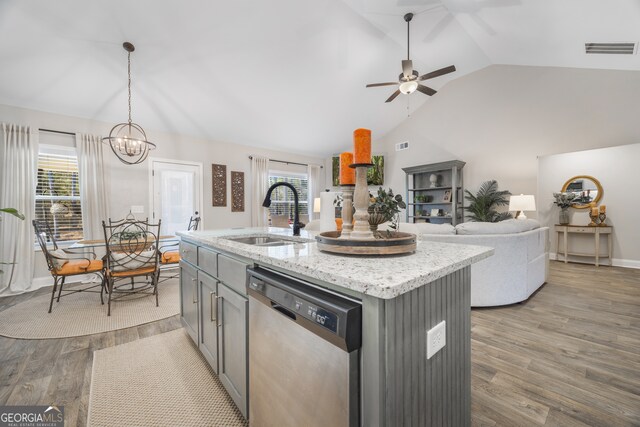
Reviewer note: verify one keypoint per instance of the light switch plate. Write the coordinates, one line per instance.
(436, 339)
(137, 209)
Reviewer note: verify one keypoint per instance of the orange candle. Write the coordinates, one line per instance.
(362, 145)
(347, 174)
(603, 209)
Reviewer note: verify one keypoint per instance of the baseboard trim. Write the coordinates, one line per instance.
(617, 262)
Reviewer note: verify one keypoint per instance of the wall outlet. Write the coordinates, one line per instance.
(436, 338)
(137, 209)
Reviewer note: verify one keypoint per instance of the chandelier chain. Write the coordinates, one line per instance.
(129, 82)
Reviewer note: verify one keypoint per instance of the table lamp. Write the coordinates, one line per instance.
(522, 203)
(316, 205)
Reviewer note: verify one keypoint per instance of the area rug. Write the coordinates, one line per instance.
(158, 381)
(82, 314)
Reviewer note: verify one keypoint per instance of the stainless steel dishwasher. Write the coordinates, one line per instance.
(304, 346)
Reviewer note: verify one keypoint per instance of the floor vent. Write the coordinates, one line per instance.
(610, 48)
(402, 146)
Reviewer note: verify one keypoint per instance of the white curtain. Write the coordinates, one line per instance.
(93, 195)
(259, 187)
(315, 186)
(18, 157)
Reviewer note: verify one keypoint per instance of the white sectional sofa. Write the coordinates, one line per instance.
(518, 268)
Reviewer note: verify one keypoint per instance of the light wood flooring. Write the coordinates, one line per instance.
(569, 356)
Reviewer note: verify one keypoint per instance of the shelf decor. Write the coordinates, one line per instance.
(218, 185)
(347, 174)
(437, 186)
(603, 215)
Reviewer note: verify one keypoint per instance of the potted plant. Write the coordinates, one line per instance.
(385, 206)
(564, 201)
(482, 206)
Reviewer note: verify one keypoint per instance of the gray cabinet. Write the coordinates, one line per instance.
(208, 287)
(214, 313)
(435, 193)
(233, 339)
(189, 299)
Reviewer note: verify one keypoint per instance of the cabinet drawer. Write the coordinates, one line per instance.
(189, 252)
(233, 273)
(208, 261)
(582, 230)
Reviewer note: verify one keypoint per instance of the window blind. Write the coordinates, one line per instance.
(282, 200)
(58, 193)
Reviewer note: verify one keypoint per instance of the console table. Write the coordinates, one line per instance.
(567, 230)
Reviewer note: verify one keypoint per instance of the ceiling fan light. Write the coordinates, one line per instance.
(408, 87)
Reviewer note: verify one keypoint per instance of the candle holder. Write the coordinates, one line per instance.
(594, 219)
(347, 211)
(361, 229)
(603, 217)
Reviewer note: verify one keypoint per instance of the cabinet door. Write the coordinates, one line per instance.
(208, 319)
(232, 339)
(189, 299)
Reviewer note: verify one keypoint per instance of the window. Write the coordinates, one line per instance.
(58, 192)
(282, 197)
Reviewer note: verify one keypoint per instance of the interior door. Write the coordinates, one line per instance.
(176, 194)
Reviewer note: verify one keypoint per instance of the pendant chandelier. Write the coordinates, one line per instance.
(127, 140)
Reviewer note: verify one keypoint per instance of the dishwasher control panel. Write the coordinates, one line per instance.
(317, 314)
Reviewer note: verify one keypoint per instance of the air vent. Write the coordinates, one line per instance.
(402, 146)
(610, 48)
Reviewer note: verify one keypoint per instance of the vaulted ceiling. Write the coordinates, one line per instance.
(284, 74)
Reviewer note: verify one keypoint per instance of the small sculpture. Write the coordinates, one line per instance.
(433, 179)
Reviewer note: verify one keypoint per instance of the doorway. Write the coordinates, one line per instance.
(176, 193)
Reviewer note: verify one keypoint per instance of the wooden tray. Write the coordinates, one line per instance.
(398, 243)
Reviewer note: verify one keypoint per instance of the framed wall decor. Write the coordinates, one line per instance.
(375, 174)
(218, 185)
(447, 196)
(237, 191)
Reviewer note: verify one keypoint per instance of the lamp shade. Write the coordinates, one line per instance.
(316, 205)
(523, 202)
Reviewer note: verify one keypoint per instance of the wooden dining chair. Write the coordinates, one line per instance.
(63, 263)
(132, 253)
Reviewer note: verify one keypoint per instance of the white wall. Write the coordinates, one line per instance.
(501, 118)
(129, 184)
(617, 170)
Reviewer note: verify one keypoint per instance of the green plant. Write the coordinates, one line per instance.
(564, 200)
(387, 204)
(482, 206)
(14, 212)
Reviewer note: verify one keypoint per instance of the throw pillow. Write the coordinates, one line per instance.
(59, 258)
(126, 261)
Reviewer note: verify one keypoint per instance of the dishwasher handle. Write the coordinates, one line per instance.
(283, 310)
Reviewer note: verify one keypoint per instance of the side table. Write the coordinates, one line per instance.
(597, 231)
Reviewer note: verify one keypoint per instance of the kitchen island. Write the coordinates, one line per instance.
(402, 298)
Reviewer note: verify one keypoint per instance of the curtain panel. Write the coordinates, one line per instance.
(259, 187)
(18, 157)
(93, 194)
(315, 185)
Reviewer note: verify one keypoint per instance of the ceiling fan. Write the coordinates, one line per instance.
(409, 80)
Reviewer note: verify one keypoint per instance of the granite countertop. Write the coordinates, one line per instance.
(381, 277)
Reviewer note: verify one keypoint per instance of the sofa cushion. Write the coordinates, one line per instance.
(421, 228)
(509, 226)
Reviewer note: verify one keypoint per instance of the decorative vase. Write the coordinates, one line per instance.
(603, 218)
(375, 219)
(563, 217)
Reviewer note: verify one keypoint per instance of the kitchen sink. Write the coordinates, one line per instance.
(264, 241)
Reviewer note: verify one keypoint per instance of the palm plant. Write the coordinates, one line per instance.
(482, 206)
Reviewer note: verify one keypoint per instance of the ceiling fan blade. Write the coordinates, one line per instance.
(382, 84)
(437, 73)
(407, 68)
(393, 96)
(426, 90)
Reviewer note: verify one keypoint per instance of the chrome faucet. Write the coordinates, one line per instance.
(297, 225)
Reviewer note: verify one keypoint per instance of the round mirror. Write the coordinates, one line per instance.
(586, 188)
